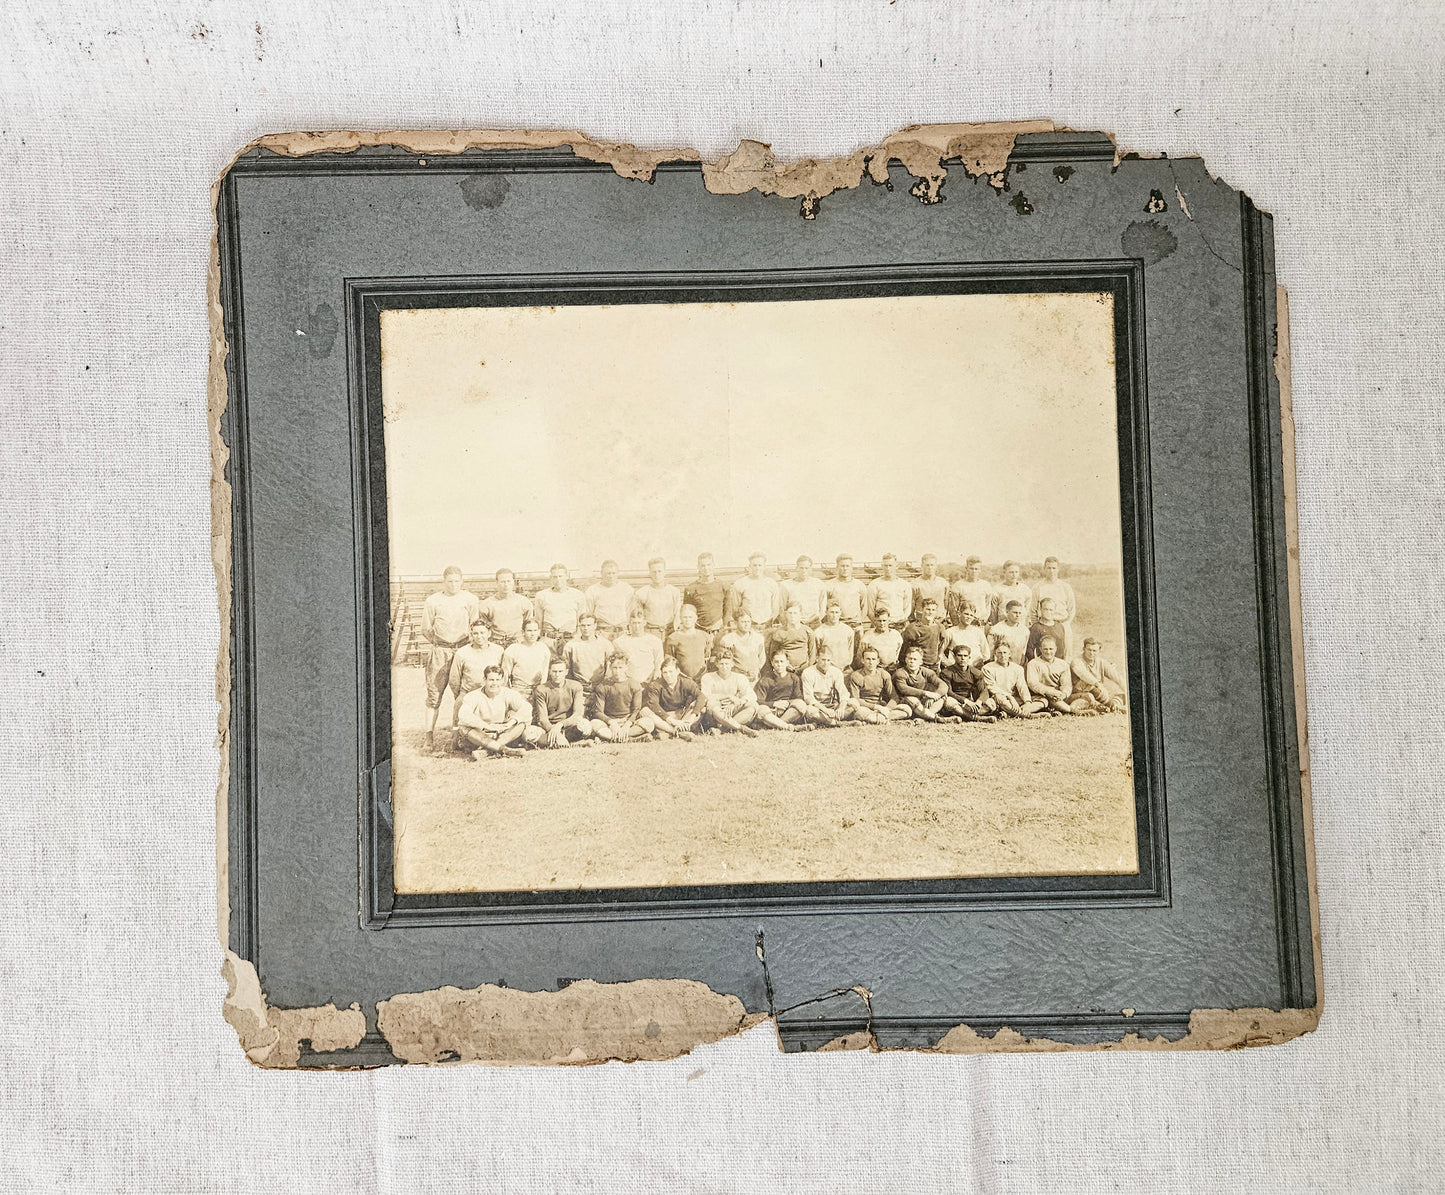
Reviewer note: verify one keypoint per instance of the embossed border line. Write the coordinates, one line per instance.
(383, 908)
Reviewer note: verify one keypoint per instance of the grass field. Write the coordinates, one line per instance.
(1047, 797)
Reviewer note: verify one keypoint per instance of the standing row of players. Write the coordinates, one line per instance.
(783, 654)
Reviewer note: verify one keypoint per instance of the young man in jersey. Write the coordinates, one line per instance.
(850, 593)
(524, 664)
(1098, 685)
(1004, 682)
(755, 595)
(470, 663)
(925, 632)
(882, 637)
(825, 692)
(965, 684)
(793, 637)
(615, 708)
(642, 648)
(688, 645)
(971, 594)
(749, 649)
(493, 719)
(559, 709)
(924, 691)
(446, 620)
(892, 591)
(1011, 589)
(875, 699)
(842, 640)
(965, 633)
(780, 696)
(1050, 678)
(674, 701)
(1012, 631)
(587, 654)
(609, 601)
(1047, 627)
(558, 607)
(729, 699)
(506, 608)
(658, 601)
(1065, 606)
(810, 594)
(929, 584)
(709, 597)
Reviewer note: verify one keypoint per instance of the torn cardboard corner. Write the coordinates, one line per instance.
(585, 1022)
(272, 1037)
(921, 149)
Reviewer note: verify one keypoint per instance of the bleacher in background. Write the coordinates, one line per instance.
(409, 593)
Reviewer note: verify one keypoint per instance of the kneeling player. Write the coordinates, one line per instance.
(470, 664)
(874, 697)
(730, 703)
(749, 650)
(882, 638)
(780, 695)
(525, 662)
(559, 708)
(1011, 631)
(689, 645)
(1004, 682)
(493, 719)
(674, 701)
(616, 709)
(825, 692)
(924, 691)
(925, 632)
(1049, 678)
(587, 655)
(1098, 687)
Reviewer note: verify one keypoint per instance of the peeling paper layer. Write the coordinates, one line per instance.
(272, 1037)
(1209, 1029)
(584, 1022)
(921, 149)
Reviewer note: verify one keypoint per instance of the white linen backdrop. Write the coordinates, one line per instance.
(114, 121)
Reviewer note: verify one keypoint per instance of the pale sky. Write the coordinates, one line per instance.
(956, 424)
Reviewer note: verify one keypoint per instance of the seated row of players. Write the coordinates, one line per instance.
(588, 693)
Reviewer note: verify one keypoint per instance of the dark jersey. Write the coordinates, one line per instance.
(710, 598)
(925, 637)
(689, 649)
(661, 698)
(875, 690)
(925, 683)
(771, 687)
(798, 644)
(616, 699)
(1038, 631)
(552, 705)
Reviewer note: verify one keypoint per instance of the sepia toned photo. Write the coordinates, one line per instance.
(756, 592)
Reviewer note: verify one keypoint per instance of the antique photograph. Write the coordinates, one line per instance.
(755, 592)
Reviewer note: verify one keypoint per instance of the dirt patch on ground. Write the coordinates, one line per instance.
(877, 802)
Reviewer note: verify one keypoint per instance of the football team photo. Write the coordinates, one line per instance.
(756, 592)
